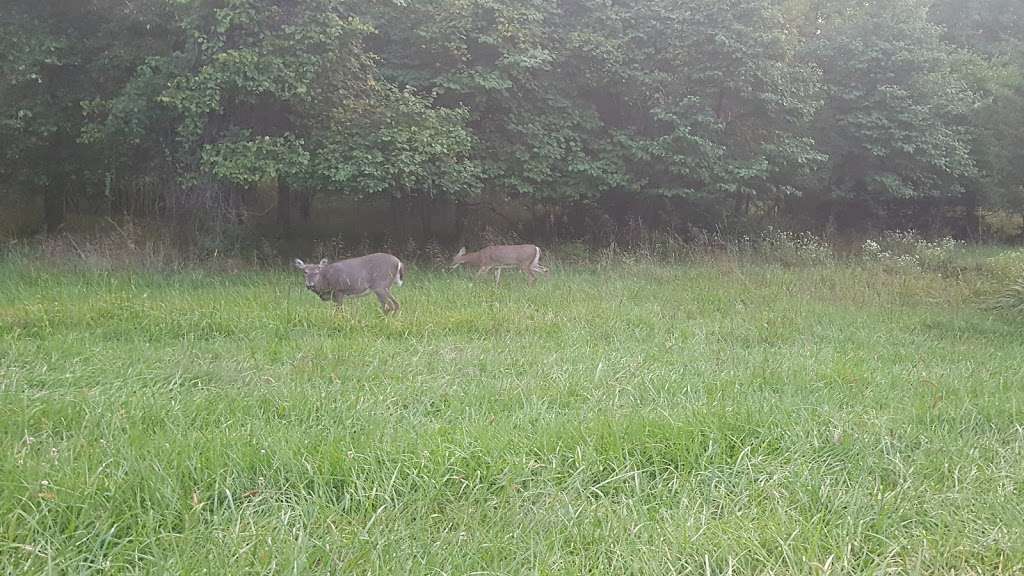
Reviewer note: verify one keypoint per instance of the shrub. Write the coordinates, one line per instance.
(794, 248)
(906, 250)
(1006, 265)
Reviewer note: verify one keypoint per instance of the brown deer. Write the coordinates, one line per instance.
(526, 257)
(355, 277)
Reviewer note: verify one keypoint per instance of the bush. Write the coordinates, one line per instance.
(906, 250)
(794, 248)
(1006, 265)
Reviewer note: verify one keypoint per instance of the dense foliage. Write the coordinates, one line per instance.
(903, 113)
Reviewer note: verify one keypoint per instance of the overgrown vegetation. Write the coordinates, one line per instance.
(550, 120)
(759, 408)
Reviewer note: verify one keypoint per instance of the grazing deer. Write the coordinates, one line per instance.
(526, 257)
(355, 277)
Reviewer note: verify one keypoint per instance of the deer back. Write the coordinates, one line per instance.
(362, 274)
(517, 254)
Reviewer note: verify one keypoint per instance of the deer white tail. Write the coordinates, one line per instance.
(400, 273)
(535, 265)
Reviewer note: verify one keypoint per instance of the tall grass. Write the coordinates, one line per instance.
(725, 414)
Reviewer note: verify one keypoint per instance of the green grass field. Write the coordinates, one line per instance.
(706, 418)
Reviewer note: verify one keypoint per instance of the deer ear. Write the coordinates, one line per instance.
(299, 264)
(323, 262)
(461, 251)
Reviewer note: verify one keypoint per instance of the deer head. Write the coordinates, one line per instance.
(459, 258)
(312, 272)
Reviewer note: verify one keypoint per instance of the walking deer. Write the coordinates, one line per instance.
(526, 257)
(355, 277)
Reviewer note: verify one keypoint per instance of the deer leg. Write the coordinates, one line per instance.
(497, 276)
(337, 297)
(530, 278)
(385, 303)
(481, 270)
(394, 303)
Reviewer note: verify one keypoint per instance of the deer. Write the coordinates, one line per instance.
(526, 257)
(355, 277)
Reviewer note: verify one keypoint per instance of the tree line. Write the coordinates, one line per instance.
(830, 114)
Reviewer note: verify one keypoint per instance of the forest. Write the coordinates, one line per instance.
(442, 120)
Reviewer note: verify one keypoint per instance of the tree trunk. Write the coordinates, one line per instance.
(53, 207)
(425, 206)
(617, 207)
(973, 222)
(396, 217)
(831, 225)
(460, 222)
(284, 206)
(306, 207)
(738, 206)
(238, 212)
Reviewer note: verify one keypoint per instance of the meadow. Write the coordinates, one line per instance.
(711, 416)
